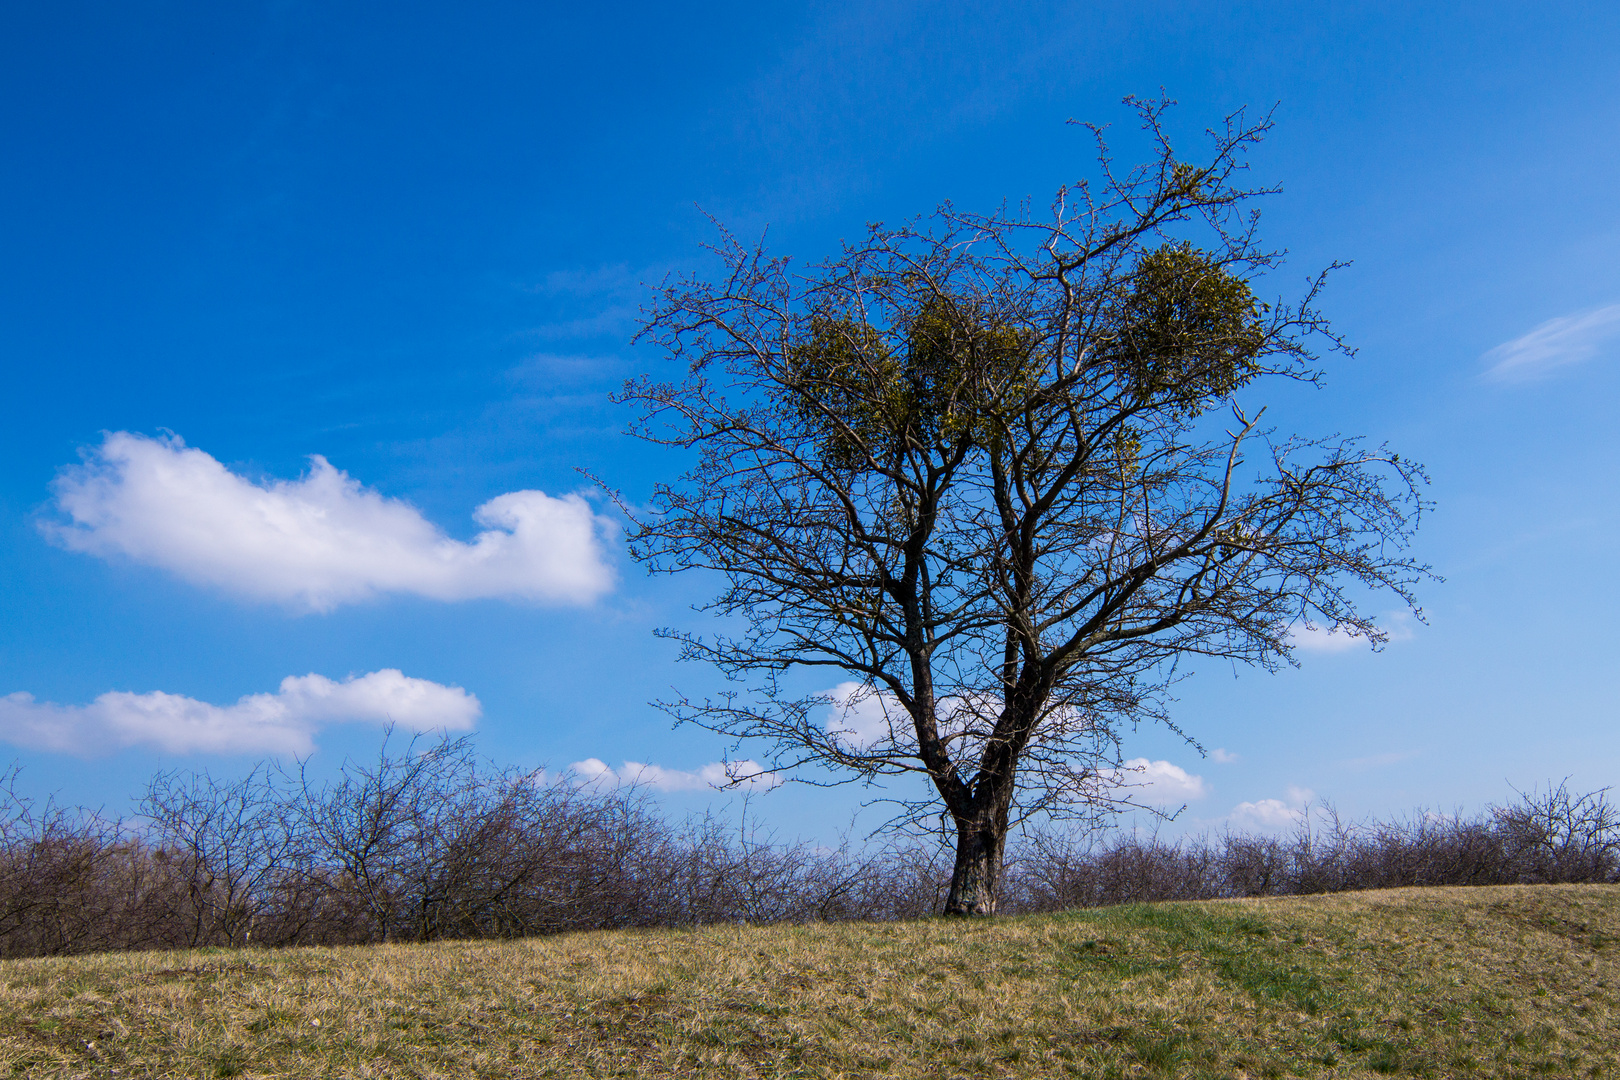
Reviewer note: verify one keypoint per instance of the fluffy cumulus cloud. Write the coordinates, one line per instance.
(1156, 783)
(279, 723)
(1266, 815)
(1556, 343)
(321, 540)
(744, 775)
(862, 718)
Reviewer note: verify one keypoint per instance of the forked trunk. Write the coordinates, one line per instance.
(976, 881)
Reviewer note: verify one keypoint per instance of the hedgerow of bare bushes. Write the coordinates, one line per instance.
(428, 843)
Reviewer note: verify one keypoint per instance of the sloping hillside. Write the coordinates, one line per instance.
(1499, 981)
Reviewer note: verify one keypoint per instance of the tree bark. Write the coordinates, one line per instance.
(976, 882)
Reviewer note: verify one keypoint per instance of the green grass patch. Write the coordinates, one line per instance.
(1239, 947)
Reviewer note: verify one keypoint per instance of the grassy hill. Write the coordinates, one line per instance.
(1498, 981)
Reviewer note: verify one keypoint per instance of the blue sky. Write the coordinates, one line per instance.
(382, 263)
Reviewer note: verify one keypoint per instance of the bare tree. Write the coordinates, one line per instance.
(474, 851)
(977, 465)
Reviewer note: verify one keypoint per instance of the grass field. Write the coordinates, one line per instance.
(1500, 981)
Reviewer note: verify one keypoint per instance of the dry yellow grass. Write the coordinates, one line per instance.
(1508, 981)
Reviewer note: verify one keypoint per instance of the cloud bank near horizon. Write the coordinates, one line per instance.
(717, 775)
(1556, 343)
(863, 718)
(281, 723)
(321, 540)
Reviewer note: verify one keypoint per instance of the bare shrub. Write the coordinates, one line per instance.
(70, 880)
(427, 842)
(224, 846)
(1558, 836)
(1055, 871)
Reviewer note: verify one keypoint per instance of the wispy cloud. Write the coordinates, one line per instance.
(547, 371)
(1556, 343)
(590, 303)
(1309, 637)
(281, 723)
(718, 775)
(1222, 756)
(610, 320)
(1320, 639)
(321, 540)
(1378, 761)
(611, 279)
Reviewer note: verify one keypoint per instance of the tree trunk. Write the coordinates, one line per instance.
(976, 881)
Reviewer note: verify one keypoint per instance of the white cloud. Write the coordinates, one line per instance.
(279, 723)
(1320, 639)
(1157, 783)
(1556, 343)
(862, 718)
(748, 775)
(547, 371)
(1222, 756)
(1378, 761)
(321, 540)
(1265, 814)
(1272, 813)
(1396, 625)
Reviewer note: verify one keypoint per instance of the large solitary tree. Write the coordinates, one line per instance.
(998, 475)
